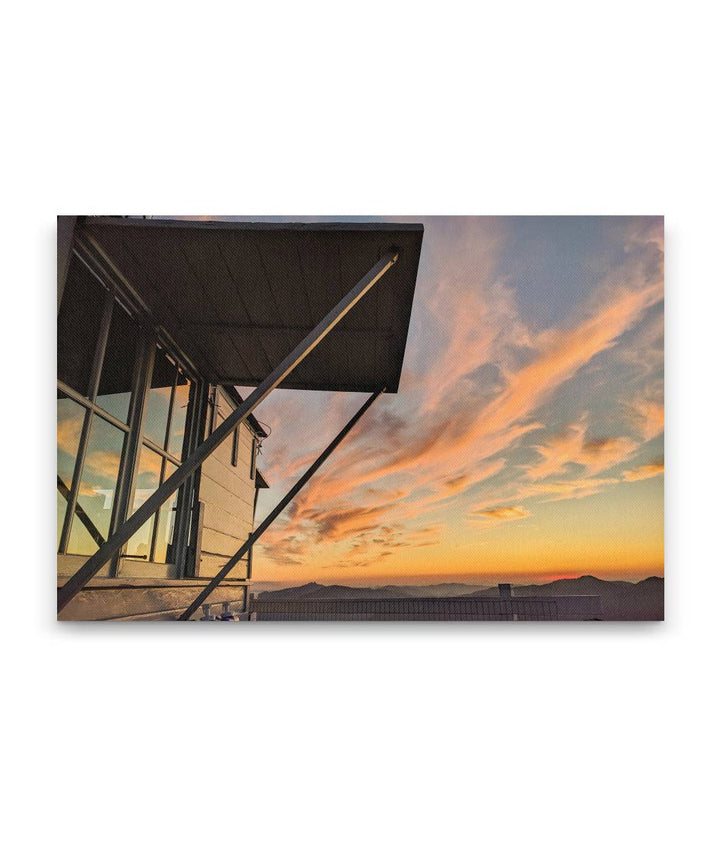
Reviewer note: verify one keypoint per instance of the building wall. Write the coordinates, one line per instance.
(227, 494)
(128, 413)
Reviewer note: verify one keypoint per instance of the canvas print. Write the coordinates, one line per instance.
(360, 418)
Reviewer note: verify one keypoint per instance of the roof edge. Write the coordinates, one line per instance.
(250, 225)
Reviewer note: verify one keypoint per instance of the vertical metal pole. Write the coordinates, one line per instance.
(75, 584)
(188, 495)
(279, 508)
(133, 444)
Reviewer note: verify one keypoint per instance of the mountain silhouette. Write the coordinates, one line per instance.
(316, 591)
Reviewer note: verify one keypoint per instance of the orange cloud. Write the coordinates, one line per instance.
(647, 471)
(502, 512)
(649, 417)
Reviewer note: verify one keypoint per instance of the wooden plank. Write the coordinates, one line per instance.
(144, 602)
(210, 565)
(220, 543)
(235, 480)
(221, 520)
(211, 493)
(221, 470)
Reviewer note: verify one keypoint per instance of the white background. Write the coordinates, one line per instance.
(359, 739)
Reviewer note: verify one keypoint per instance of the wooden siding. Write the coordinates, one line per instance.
(150, 600)
(228, 495)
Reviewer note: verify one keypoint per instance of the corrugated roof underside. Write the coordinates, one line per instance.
(239, 297)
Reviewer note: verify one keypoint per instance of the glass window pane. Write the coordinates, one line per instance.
(147, 482)
(157, 407)
(70, 417)
(79, 326)
(117, 371)
(166, 523)
(97, 487)
(179, 415)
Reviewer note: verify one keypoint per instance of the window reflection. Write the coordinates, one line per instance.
(166, 523)
(97, 487)
(148, 481)
(70, 417)
(85, 310)
(117, 371)
(158, 402)
(179, 414)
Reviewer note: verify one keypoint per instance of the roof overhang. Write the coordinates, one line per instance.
(237, 297)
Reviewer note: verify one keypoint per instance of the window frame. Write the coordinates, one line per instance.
(166, 457)
(150, 340)
(92, 410)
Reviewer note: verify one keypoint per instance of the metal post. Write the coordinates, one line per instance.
(114, 543)
(279, 508)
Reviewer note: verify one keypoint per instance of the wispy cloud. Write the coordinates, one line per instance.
(467, 435)
(574, 446)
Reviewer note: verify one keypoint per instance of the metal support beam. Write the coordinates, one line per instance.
(81, 514)
(279, 508)
(116, 541)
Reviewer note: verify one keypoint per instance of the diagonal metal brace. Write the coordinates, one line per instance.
(115, 542)
(279, 508)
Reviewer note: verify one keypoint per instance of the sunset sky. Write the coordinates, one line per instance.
(526, 440)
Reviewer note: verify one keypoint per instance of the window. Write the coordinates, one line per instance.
(70, 420)
(96, 492)
(164, 425)
(166, 523)
(176, 431)
(109, 461)
(146, 483)
(157, 408)
(97, 341)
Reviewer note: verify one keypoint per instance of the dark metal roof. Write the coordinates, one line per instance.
(238, 297)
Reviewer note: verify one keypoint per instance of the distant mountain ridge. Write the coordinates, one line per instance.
(621, 600)
(317, 591)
